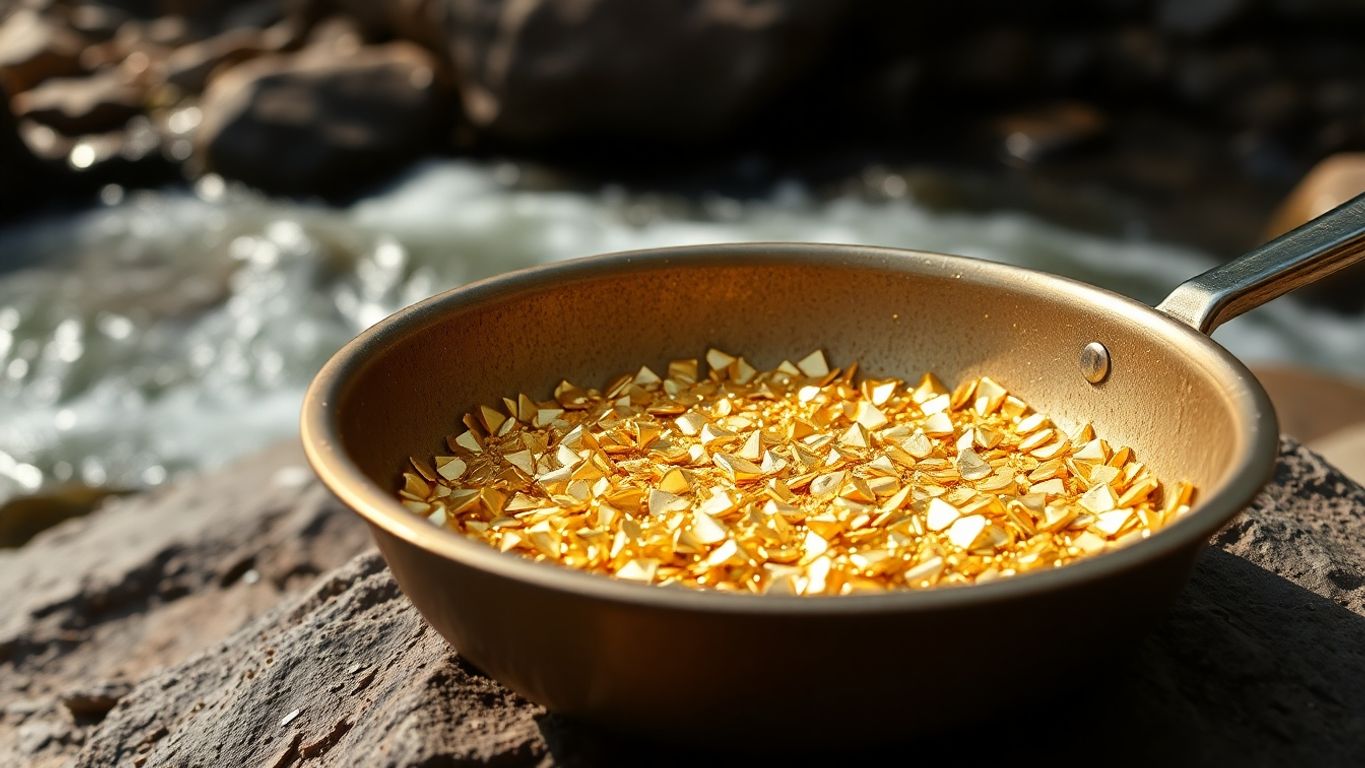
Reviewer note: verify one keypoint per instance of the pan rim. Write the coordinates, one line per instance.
(1253, 459)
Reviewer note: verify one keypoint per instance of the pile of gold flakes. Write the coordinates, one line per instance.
(799, 480)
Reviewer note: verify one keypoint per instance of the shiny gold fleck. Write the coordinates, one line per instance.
(801, 480)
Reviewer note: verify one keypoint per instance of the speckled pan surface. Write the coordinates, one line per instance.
(579, 642)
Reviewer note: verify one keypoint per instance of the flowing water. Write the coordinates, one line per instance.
(167, 331)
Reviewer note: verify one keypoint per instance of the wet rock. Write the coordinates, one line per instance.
(321, 123)
(1330, 183)
(34, 48)
(100, 102)
(1345, 448)
(188, 67)
(1312, 405)
(96, 21)
(144, 583)
(1258, 662)
(557, 69)
(1037, 134)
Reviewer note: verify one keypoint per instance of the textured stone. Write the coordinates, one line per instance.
(100, 602)
(1259, 662)
(322, 122)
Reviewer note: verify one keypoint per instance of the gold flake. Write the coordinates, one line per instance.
(739, 470)
(880, 392)
(662, 502)
(491, 419)
(918, 445)
(989, 396)
(814, 365)
(940, 514)
(970, 465)
(1111, 522)
(964, 531)
(707, 530)
(938, 424)
(823, 485)
(1098, 499)
(855, 436)
(417, 507)
(450, 467)
(468, 441)
(936, 405)
(522, 460)
(752, 448)
(925, 572)
(638, 570)
(1030, 424)
(718, 361)
(869, 416)
(1053, 487)
(929, 387)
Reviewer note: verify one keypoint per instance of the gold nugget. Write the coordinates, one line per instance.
(801, 480)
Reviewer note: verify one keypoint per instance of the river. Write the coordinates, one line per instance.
(164, 331)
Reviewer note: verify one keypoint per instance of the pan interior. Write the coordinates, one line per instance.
(1183, 405)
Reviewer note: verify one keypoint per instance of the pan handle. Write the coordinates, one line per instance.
(1315, 250)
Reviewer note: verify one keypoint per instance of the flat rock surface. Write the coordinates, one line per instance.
(1260, 662)
(96, 604)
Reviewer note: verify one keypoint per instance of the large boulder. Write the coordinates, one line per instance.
(322, 122)
(545, 70)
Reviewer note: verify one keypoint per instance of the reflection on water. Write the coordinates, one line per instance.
(168, 331)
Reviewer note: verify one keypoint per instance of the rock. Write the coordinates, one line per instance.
(188, 67)
(24, 517)
(1311, 405)
(557, 69)
(144, 583)
(34, 48)
(95, 700)
(1038, 134)
(1330, 183)
(96, 21)
(318, 123)
(1345, 448)
(1257, 663)
(75, 106)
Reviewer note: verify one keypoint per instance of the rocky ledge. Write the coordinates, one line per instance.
(119, 647)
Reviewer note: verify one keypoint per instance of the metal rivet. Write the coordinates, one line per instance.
(1095, 362)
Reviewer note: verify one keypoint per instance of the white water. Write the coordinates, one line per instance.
(171, 331)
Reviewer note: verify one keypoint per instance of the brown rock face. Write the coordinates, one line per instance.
(1258, 663)
(320, 122)
(96, 604)
(77, 106)
(33, 48)
(553, 69)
